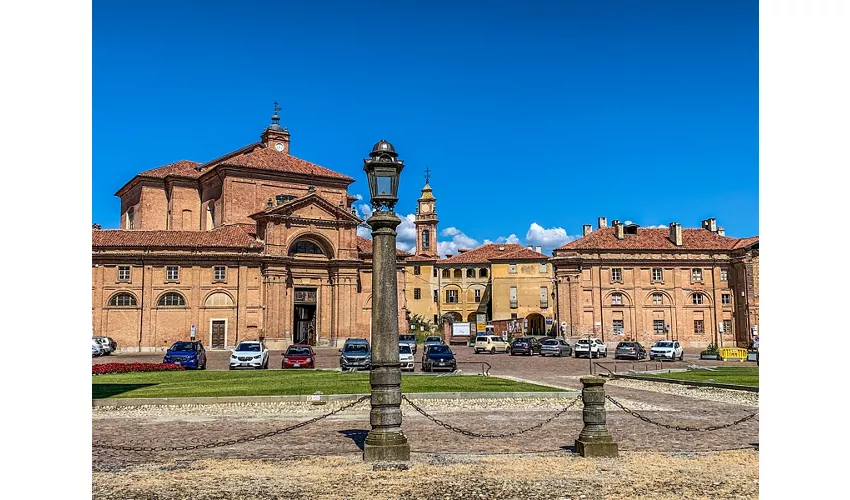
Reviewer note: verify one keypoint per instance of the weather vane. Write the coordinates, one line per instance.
(427, 175)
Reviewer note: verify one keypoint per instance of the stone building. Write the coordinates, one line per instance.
(256, 243)
(695, 285)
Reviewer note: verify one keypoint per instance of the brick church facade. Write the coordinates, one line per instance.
(254, 244)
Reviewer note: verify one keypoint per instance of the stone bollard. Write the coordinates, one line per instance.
(594, 440)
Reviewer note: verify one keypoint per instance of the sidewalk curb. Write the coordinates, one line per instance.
(324, 398)
(685, 382)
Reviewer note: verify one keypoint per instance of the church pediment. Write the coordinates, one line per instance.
(311, 207)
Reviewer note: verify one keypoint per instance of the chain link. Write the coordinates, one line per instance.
(504, 435)
(231, 442)
(676, 427)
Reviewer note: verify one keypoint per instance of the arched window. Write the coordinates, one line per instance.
(426, 239)
(482, 273)
(172, 299)
(305, 246)
(470, 273)
(458, 273)
(446, 273)
(122, 300)
(218, 299)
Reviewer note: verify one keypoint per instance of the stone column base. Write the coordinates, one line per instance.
(596, 448)
(386, 447)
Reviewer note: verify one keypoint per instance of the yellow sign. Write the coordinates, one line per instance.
(481, 323)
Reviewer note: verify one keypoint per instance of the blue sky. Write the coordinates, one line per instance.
(534, 117)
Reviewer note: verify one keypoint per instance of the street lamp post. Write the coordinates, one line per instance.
(386, 441)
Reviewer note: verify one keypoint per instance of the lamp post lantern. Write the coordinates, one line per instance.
(386, 441)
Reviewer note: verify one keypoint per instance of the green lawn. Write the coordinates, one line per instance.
(743, 375)
(283, 382)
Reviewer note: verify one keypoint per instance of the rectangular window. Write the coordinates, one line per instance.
(219, 273)
(617, 299)
(417, 270)
(616, 274)
(657, 274)
(657, 299)
(696, 274)
(513, 298)
(435, 272)
(724, 275)
(417, 293)
(131, 224)
(172, 273)
(727, 327)
(699, 326)
(726, 299)
(436, 296)
(436, 318)
(697, 299)
(123, 273)
(513, 316)
(477, 295)
(451, 296)
(544, 297)
(512, 268)
(543, 268)
(618, 326)
(658, 326)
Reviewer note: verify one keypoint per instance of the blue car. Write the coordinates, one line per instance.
(187, 355)
(438, 357)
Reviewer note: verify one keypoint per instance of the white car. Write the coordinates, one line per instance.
(250, 354)
(491, 344)
(405, 357)
(96, 350)
(667, 349)
(592, 348)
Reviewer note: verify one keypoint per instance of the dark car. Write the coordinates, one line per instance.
(356, 355)
(555, 347)
(187, 355)
(525, 345)
(298, 356)
(630, 350)
(438, 357)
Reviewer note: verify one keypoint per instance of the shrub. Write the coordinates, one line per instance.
(711, 349)
(105, 368)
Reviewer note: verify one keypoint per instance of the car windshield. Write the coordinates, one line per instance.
(439, 349)
(664, 344)
(183, 347)
(407, 338)
(481, 339)
(521, 339)
(356, 348)
(404, 349)
(245, 346)
(550, 342)
(298, 351)
(433, 339)
(625, 344)
(583, 342)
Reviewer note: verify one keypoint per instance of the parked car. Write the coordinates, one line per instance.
(593, 348)
(405, 357)
(356, 354)
(434, 340)
(525, 345)
(667, 349)
(298, 356)
(107, 344)
(96, 350)
(410, 340)
(491, 344)
(629, 350)
(249, 354)
(438, 357)
(555, 347)
(187, 355)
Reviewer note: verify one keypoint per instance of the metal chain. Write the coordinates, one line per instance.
(676, 427)
(231, 441)
(504, 435)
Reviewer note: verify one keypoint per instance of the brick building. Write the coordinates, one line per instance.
(254, 244)
(695, 285)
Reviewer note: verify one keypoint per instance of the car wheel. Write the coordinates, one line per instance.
(682, 356)
(229, 367)
(605, 354)
(492, 350)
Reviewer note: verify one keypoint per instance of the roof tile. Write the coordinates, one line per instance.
(182, 168)
(652, 239)
(271, 159)
(231, 236)
(483, 254)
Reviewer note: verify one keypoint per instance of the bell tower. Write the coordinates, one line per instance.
(275, 136)
(426, 221)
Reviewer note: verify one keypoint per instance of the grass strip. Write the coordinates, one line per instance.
(734, 375)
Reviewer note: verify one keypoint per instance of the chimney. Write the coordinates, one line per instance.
(603, 222)
(501, 248)
(710, 224)
(586, 229)
(96, 226)
(537, 249)
(448, 255)
(721, 231)
(618, 229)
(529, 247)
(462, 250)
(676, 233)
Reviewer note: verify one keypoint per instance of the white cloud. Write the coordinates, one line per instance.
(449, 231)
(459, 240)
(358, 196)
(502, 239)
(406, 239)
(548, 239)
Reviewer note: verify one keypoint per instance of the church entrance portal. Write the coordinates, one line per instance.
(304, 329)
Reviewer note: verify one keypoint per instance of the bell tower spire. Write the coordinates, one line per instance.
(275, 136)
(426, 221)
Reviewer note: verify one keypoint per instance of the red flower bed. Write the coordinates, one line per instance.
(104, 368)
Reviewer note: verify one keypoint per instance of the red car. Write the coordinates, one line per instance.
(299, 356)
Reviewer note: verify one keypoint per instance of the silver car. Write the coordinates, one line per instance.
(555, 347)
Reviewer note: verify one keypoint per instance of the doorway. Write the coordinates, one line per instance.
(304, 327)
(219, 334)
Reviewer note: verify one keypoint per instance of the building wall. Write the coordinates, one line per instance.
(184, 207)
(244, 195)
(466, 308)
(427, 283)
(528, 279)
